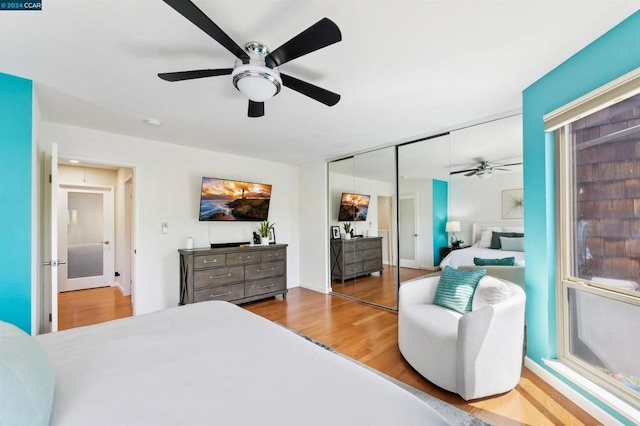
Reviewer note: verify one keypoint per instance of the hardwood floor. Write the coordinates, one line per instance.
(379, 288)
(362, 332)
(92, 306)
(369, 335)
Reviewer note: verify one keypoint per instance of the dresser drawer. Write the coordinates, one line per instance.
(225, 292)
(240, 258)
(217, 276)
(263, 270)
(269, 285)
(200, 262)
(269, 255)
(352, 269)
(366, 243)
(371, 265)
(369, 254)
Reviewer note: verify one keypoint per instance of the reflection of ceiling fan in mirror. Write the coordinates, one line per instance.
(484, 169)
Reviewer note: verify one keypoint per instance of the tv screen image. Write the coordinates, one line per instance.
(232, 200)
(353, 207)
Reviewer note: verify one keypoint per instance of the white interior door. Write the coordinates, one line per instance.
(408, 232)
(86, 232)
(53, 236)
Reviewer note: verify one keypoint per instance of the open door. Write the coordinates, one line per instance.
(53, 236)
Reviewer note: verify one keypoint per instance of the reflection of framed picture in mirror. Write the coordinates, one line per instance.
(512, 204)
(335, 232)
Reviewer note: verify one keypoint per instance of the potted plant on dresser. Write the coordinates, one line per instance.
(265, 229)
(347, 230)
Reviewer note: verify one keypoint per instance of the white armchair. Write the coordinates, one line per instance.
(477, 354)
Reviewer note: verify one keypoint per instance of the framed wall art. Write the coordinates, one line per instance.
(512, 204)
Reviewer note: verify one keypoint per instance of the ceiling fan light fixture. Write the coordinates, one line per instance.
(484, 174)
(258, 83)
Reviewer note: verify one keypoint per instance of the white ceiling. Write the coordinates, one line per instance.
(404, 69)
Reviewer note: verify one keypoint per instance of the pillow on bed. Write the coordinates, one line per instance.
(485, 236)
(456, 287)
(513, 244)
(26, 379)
(505, 261)
(495, 238)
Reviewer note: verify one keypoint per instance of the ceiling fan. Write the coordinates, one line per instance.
(256, 72)
(484, 169)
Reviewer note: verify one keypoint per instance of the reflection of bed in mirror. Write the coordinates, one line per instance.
(481, 239)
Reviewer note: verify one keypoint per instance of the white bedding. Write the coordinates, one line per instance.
(215, 363)
(464, 257)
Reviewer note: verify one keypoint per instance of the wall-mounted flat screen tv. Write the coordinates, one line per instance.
(353, 207)
(232, 200)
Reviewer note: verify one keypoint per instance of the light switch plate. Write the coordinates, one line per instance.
(165, 228)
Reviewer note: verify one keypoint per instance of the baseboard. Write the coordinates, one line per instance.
(117, 284)
(592, 409)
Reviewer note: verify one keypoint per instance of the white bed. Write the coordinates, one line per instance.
(480, 246)
(214, 363)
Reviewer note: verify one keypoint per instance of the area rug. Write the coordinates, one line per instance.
(453, 415)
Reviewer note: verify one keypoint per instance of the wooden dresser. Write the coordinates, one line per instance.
(355, 257)
(235, 274)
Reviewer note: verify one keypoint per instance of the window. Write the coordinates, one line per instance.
(598, 191)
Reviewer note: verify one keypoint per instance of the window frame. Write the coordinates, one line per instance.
(557, 122)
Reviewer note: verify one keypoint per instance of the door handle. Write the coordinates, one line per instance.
(54, 262)
(105, 242)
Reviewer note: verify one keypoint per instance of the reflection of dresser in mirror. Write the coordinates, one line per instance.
(355, 258)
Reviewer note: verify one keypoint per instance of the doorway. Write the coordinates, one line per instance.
(408, 230)
(95, 233)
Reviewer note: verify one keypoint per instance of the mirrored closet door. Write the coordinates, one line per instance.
(362, 197)
(423, 193)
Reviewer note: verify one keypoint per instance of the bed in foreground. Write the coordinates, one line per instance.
(214, 363)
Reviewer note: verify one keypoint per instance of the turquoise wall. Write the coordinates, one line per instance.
(15, 200)
(612, 55)
(440, 197)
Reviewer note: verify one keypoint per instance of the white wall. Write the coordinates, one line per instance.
(121, 255)
(479, 200)
(167, 189)
(314, 233)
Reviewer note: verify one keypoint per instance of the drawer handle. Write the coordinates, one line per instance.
(272, 255)
(265, 286)
(243, 257)
(213, 296)
(211, 277)
(262, 270)
(214, 260)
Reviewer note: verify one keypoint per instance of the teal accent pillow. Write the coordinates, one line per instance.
(26, 379)
(495, 238)
(505, 261)
(456, 288)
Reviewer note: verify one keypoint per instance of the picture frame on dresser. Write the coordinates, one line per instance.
(272, 236)
(335, 232)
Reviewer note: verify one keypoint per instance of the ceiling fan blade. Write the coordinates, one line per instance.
(319, 94)
(463, 171)
(321, 34)
(501, 169)
(190, 11)
(190, 75)
(510, 164)
(256, 109)
(472, 173)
